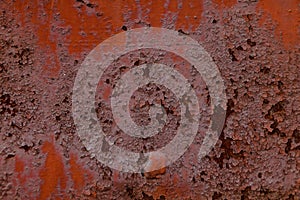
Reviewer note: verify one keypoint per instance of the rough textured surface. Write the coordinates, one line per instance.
(255, 44)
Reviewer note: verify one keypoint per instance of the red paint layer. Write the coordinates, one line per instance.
(286, 15)
(53, 173)
(225, 3)
(19, 168)
(77, 173)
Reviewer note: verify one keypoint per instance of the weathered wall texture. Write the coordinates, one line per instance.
(255, 44)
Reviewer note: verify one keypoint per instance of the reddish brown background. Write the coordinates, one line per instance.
(255, 44)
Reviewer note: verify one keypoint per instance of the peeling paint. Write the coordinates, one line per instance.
(255, 45)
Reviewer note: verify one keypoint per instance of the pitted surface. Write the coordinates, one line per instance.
(255, 45)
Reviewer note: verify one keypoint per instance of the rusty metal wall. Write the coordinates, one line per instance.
(255, 45)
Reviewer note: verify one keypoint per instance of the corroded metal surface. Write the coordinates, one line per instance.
(255, 45)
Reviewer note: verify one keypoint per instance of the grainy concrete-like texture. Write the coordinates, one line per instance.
(255, 45)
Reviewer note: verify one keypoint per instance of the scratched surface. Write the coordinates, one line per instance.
(254, 43)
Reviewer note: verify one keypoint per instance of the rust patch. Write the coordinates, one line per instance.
(102, 23)
(178, 190)
(257, 155)
(153, 12)
(156, 162)
(286, 15)
(19, 168)
(42, 18)
(224, 3)
(53, 173)
(77, 173)
(189, 16)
